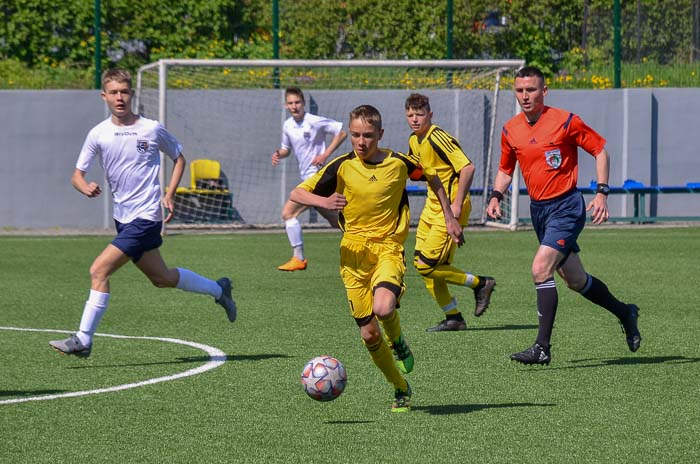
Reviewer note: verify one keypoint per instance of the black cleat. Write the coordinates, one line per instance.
(448, 325)
(482, 294)
(630, 329)
(536, 354)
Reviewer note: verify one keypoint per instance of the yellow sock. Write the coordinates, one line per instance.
(441, 294)
(384, 360)
(449, 274)
(392, 327)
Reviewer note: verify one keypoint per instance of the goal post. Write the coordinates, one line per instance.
(231, 113)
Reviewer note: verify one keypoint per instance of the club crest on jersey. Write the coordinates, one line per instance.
(307, 136)
(142, 146)
(553, 158)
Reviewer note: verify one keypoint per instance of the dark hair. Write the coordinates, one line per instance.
(116, 74)
(530, 71)
(417, 101)
(294, 91)
(368, 114)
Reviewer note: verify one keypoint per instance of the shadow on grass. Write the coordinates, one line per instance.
(602, 362)
(21, 393)
(191, 360)
(444, 409)
(504, 327)
(349, 422)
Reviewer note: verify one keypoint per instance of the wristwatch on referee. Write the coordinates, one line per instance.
(603, 188)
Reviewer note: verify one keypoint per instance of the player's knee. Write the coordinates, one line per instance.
(540, 273)
(371, 337)
(423, 266)
(98, 274)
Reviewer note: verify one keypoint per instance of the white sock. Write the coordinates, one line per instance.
(470, 280)
(293, 228)
(299, 252)
(95, 307)
(451, 305)
(192, 282)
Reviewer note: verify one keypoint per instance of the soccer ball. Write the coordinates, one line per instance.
(324, 378)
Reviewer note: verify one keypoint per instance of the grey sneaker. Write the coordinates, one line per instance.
(482, 295)
(71, 345)
(226, 300)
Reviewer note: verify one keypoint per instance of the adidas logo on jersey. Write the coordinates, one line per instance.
(372, 179)
(533, 141)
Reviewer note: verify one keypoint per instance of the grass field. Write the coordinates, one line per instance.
(596, 402)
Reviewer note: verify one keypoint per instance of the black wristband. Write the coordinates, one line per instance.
(497, 195)
(603, 188)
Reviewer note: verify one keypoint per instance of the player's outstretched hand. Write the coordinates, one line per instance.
(93, 190)
(599, 207)
(455, 230)
(493, 210)
(335, 202)
(169, 206)
(275, 158)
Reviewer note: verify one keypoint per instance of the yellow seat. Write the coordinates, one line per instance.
(204, 169)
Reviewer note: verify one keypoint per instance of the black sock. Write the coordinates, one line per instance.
(547, 302)
(597, 292)
(454, 317)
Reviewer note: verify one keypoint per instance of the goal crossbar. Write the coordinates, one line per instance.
(467, 74)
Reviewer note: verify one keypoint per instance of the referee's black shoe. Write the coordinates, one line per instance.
(536, 354)
(630, 329)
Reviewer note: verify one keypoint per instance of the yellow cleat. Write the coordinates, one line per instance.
(294, 264)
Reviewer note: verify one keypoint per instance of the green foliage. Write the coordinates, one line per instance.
(563, 37)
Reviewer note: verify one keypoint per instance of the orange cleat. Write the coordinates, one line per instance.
(294, 264)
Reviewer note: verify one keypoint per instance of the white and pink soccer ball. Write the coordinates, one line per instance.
(324, 378)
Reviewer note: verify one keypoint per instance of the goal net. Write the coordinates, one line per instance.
(228, 115)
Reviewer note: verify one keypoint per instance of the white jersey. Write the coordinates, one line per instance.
(307, 139)
(131, 160)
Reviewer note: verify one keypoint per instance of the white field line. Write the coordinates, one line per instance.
(216, 359)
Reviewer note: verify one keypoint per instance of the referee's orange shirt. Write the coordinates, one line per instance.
(547, 151)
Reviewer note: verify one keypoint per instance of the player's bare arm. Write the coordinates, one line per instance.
(335, 202)
(500, 185)
(466, 175)
(453, 226)
(599, 205)
(279, 154)
(168, 201)
(320, 160)
(89, 189)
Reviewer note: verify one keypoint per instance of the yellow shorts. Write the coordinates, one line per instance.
(367, 264)
(433, 244)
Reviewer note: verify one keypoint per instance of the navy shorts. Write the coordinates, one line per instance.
(559, 221)
(138, 237)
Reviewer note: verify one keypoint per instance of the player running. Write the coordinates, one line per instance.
(305, 134)
(368, 187)
(544, 141)
(129, 147)
(435, 250)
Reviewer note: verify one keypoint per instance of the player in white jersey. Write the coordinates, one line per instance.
(305, 134)
(128, 147)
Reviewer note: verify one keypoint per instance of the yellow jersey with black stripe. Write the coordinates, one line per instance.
(440, 153)
(377, 206)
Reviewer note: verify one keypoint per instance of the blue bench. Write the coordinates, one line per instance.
(629, 187)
